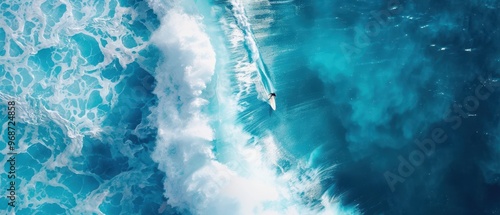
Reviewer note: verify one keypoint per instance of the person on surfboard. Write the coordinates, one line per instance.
(272, 101)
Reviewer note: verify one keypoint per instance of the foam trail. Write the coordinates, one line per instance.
(252, 48)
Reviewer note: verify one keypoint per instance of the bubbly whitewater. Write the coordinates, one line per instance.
(160, 106)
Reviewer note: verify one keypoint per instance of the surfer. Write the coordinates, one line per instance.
(272, 101)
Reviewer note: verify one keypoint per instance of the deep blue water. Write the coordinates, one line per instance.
(160, 107)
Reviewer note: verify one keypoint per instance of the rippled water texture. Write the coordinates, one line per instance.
(161, 106)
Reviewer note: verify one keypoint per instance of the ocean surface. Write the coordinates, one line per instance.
(161, 106)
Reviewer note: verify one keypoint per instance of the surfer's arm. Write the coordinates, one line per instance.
(271, 95)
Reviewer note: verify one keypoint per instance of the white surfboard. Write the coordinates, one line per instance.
(272, 102)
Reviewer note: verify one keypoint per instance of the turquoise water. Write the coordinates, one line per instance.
(160, 107)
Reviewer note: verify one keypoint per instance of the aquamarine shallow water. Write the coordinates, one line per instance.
(160, 107)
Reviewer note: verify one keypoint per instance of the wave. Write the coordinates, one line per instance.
(183, 148)
(212, 165)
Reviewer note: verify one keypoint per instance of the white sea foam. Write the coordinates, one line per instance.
(57, 108)
(183, 148)
(58, 95)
